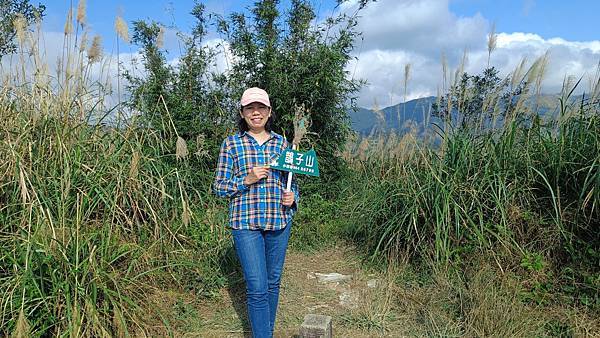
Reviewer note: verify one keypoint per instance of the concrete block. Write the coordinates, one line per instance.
(316, 326)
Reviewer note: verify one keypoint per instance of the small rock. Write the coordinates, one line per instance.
(373, 283)
(316, 326)
(332, 277)
(318, 306)
(349, 299)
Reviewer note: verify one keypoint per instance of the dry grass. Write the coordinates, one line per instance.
(484, 301)
(122, 29)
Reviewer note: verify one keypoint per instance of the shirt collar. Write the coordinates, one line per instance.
(272, 135)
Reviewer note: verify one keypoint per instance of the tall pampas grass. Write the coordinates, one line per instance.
(91, 227)
(301, 124)
(466, 189)
(160, 38)
(407, 68)
(68, 28)
(94, 52)
(491, 42)
(122, 32)
(20, 24)
(22, 329)
(121, 28)
(81, 12)
(181, 150)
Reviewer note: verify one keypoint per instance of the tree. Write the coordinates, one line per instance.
(299, 63)
(9, 11)
(184, 99)
(478, 100)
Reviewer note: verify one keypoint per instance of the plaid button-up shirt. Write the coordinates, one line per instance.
(256, 206)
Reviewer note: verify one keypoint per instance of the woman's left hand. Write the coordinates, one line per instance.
(288, 198)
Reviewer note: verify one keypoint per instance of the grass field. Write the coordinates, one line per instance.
(110, 229)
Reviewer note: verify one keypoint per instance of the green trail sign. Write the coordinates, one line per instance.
(297, 162)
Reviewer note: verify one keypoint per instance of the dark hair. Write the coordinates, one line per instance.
(243, 126)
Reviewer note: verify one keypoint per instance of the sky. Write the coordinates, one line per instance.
(397, 33)
(574, 20)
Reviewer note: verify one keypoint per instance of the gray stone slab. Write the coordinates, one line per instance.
(316, 326)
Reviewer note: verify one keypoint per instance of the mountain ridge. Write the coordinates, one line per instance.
(402, 116)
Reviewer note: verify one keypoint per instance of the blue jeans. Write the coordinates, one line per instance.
(261, 254)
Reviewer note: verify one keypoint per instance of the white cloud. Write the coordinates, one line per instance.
(225, 58)
(424, 27)
(419, 31)
(385, 72)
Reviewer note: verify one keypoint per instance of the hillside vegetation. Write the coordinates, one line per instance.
(105, 208)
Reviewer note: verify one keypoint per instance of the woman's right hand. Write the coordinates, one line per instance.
(256, 174)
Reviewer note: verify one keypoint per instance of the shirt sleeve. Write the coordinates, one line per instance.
(226, 184)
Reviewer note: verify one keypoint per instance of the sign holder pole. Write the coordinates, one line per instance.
(289, 178)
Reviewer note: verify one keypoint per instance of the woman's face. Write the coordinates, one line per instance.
(256, 116)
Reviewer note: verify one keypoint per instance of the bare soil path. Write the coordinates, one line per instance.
(357, 305)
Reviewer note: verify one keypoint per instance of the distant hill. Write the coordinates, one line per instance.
(397, 117)
(401, 117)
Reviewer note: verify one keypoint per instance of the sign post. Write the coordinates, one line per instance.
(288, 186)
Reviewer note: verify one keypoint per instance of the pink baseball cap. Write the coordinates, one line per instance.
(255, 94)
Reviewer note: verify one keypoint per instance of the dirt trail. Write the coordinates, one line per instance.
(400, 303)
(357, 309)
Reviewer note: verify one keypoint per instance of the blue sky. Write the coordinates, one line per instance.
(572, 20)
(101, 13)
(401, 32)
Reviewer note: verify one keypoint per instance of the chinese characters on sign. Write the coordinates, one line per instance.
(297, 162)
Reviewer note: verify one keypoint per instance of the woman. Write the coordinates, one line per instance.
(260, 210)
